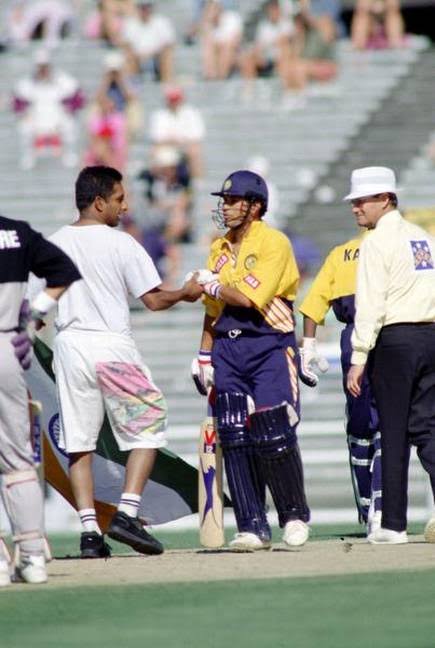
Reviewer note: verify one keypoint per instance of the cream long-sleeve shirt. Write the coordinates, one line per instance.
(395, 280)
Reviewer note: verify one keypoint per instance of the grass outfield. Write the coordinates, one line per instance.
(379, 610)
(375, 611)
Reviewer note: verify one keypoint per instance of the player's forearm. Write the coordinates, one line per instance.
(310, 327)
(234, 297)
(207, 337)
(162, 299)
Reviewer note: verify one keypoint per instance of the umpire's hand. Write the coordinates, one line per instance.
(354, 379)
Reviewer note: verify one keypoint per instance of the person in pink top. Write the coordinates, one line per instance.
(107, 136)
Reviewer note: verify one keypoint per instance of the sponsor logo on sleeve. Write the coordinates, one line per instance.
(223, 259)
(422, 255)
(251, 281)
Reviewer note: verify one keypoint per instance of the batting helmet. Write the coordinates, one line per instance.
(245, 184)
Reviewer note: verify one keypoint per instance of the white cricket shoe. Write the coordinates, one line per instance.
(296, 533)
(31, 569)
(246, 541)
(374, 522)
(387, 536)
(5, 577)
(429, 531)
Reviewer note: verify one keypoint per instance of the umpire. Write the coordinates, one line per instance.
(395, 316)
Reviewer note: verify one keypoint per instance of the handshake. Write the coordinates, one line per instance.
(208, 280)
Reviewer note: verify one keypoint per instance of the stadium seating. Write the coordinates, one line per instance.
(321, 143)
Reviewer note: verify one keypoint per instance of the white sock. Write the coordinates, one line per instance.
(129, 504)
(88, 518)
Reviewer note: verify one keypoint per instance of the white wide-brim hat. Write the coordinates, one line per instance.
(370, 181)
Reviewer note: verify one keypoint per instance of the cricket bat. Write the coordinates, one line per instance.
(210, 493)
(37, 440)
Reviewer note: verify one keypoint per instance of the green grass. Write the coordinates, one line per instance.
(364, 611)
(380, 610)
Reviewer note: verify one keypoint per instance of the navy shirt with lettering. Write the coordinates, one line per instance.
(23, 250)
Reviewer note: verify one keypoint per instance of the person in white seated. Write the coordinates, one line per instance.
(45, 104)
(221, 33)
(179, 125)
(148, 39)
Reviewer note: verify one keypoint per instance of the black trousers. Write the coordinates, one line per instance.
(403, 381)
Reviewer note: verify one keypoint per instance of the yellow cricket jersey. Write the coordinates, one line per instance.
(335, 285)
(265, 270)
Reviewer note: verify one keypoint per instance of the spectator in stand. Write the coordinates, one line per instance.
(165, 255)
(116, 86)
(48, 20)
(167, 190)
(271, 49)
(261, 166)
(314, 53)
(107, 135)
(377, 24)
(179, 125)
(333, 9)
(45, 104)
(106, 21)
(198, 7)
(148, 39)
(221, 33)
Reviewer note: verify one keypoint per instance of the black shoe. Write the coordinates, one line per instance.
(92, 545)
(130, 531)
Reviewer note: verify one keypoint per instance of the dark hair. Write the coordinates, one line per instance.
(95, 181)
(393, 199)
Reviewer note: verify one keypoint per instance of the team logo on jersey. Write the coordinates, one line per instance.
(250, 261)
(223, 259)
(227, 185)
(251, 281)
(422, 255)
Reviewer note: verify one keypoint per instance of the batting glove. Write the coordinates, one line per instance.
(28, 318)
(310, 359)
(23, 348)
(204, 276)
(202, 372)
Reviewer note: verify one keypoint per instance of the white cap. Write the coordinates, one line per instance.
(114, 60)
(370, 181)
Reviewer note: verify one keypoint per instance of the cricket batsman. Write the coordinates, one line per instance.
(248, 342)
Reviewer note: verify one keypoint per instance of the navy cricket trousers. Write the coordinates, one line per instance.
(403, 381)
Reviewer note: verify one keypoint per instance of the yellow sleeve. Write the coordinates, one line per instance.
(318, 299)
(275, 273)
(213, 307)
